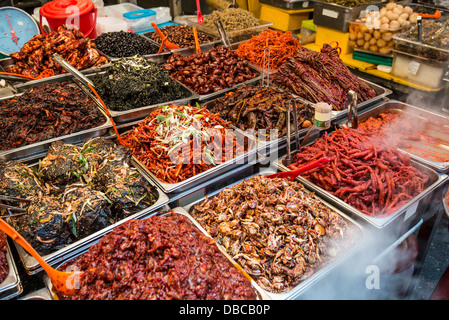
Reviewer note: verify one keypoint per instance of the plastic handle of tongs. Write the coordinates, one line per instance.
(67, 67)
(223, 34)
(292, 174)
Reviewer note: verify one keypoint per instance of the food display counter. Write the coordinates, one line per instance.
(170, 193)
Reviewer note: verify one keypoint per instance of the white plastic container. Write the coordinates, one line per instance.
(426, 72)
(110, 24)
(140, 21)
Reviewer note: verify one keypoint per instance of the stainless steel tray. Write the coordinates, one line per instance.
(11, 286)
(41, 294)
(424, 115)
(336, 16)
(259, 292)
(307, 283)
(289, 4)
(41, 147)
(210, 96)
(381, 94)
(400, 216)
(32, 266)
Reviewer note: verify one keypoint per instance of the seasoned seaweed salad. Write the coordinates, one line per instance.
(75, 191)
(135, 82)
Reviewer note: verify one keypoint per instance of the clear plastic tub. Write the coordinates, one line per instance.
(110, 24)
(234, 36)
(373, 40)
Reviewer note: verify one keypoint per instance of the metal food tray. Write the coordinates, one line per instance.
(401, 107)
(170, 188)
(289, 4)
(32, 266)
(381, 93)
(41, 147)
(8, 62)
(11, 286)
(67, 77)
(263, 144)
(321, 272)
(400, 216)
(259, 292)
(186, 51)
(336, 16)
(445, 204)
(142, 112)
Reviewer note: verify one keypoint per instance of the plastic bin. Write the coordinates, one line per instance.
(110, 24)
(140, 20)
(234, 36)
(373, 40)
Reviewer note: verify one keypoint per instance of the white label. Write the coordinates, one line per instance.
(413, 67)
(305, 4)
(330, 13)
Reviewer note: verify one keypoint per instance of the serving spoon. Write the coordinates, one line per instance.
(200, 18)
(65, 283)
(165, 42)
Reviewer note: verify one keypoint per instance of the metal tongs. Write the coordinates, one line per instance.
(13, 208)
(289, 156)
(223, 34)
(352, 109)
